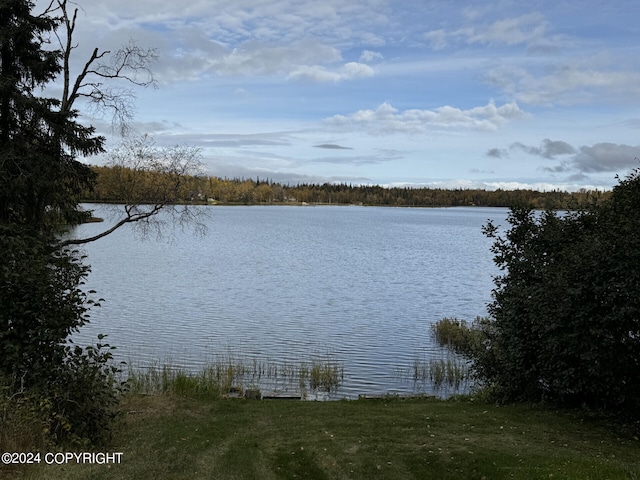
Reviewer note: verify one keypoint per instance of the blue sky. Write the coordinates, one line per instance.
(501, 94)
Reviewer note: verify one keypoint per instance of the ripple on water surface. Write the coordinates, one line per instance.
(359, 286)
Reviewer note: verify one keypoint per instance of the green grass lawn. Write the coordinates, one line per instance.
(167, 436)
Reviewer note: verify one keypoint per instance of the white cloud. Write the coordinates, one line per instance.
(357, 70)
(254, 58)
(387, 120)
(522, 30)
(368, 56)
(566, 84)
(306, 58)
(437, 39)
(318, 73)
(244, 37)
(244, 20)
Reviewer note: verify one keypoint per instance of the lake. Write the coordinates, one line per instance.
(359, 286)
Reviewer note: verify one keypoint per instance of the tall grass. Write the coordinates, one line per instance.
(236, 375)
(452, 372)
(458, 335)
(22, 421)
(325, 376)
(156, 379)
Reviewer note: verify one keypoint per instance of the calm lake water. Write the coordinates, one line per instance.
(360, 286)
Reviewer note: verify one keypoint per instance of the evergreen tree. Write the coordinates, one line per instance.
(40, 183)
(40, 177)
(42, 302)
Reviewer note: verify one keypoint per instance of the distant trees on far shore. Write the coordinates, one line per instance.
(203, 189)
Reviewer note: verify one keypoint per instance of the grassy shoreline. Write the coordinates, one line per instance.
(178, 425)
(320, 377)
(201, 436)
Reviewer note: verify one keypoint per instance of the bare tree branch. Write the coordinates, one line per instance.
(149, 180)
(130, 63)
(130, 218)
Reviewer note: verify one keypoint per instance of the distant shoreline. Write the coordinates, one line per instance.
(117, 186)
(299, 204)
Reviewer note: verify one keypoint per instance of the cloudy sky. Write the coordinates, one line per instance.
(500, 94)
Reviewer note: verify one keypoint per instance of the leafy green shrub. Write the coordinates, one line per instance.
(76, 408)
(41, 304)
(565, 314)
(67, 389)
(85, 395)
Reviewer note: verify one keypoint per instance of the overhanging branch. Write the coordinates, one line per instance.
(130, 218)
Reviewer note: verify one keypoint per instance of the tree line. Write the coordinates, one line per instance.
(212, 189)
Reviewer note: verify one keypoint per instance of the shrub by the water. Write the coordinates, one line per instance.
(459, 335)
(564, 323)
